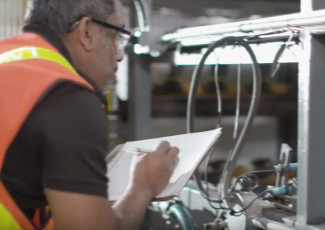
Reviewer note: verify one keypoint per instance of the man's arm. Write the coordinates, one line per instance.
(84, 212)
(150, 177)
(74, 145)
(131, 208)
(77, 211)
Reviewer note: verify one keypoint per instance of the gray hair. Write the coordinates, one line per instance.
(59, 15)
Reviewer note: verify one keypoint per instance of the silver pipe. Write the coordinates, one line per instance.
(305, 20)
(142, 10)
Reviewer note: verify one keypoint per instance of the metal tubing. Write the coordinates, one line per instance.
(305, 19)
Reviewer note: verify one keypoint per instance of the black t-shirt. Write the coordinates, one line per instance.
(61, 146)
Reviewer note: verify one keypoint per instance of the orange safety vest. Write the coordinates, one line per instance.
(29, 68)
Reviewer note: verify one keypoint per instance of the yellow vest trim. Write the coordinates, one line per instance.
(27, 53)
(7, 222)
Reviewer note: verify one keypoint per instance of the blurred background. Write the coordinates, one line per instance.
(149, 97)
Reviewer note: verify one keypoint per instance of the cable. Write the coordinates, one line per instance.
(204, 192)
(232, 190)
(245, 175)
(233, 212)
(230, 165)
(227, 174)
(207, 186)
(216, 82)
(276, 63)
(238, 97)
(219, 120)
(218, 91)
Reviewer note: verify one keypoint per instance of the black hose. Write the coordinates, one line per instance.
(229, 167)
(182, 216)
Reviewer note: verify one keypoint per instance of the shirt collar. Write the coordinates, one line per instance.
(50, 37)
(55, 41)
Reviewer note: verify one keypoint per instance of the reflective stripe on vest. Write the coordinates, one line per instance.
(7, 220)
(26, 53)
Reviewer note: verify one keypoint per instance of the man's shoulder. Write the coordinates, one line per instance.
(71, 93)
(69, 102)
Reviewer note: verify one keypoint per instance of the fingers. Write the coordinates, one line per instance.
(163, 147)
(173, 153)
(176, 162)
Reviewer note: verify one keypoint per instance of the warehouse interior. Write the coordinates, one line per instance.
(152, 97)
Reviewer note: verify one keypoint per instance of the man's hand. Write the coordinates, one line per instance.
(153, 171)
(85, 212)
(151, 175)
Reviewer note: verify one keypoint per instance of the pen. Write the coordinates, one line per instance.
(137, 150)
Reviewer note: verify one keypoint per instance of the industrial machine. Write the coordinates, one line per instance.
(289, 203)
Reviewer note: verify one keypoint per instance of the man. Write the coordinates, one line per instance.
(53, 128)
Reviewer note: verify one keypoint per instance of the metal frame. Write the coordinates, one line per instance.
(311, 189)
(311, 111)
(139, 113)
(304, 19)
(139, 102)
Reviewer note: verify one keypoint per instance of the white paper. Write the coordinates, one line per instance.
(193, 148)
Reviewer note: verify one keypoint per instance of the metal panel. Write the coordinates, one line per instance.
(311, 126)
(139, 114)
(139, 98)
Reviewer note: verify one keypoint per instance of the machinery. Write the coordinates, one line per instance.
(287, 204)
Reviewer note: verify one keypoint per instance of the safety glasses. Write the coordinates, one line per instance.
(122, 38)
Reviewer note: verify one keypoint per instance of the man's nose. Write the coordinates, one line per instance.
(120, 56)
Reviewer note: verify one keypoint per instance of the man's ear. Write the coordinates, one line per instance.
(86, 33)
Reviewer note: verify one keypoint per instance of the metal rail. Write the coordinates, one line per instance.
(141, 7)
(314, 21)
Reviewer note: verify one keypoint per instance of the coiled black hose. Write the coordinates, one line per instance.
(257, 81)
